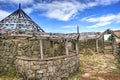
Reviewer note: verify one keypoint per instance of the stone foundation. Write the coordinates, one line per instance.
(56, 68)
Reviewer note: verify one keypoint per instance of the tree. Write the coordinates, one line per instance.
(109, 38)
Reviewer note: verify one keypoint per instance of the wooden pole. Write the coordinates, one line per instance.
(77, 48)
(73, 45)
(97, 46)
(29, 46)
(103, 44)
(52, 48)
(41, 49)
(113, 45)
(77, 41)
(77, 29)
(66, 47)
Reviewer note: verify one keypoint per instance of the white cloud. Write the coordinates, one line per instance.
(99, 24)
(118, 21)
(114, 29)
(66, 10)
(102, 20)
(91, 4)
(118, 18)
(106, 2)
(28, 10)
(3, 14)
(70, 26)
(18, 1)
(21, 1)
(61, 10)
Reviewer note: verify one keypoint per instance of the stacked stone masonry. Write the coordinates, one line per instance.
(56, 68)
(10, 48)
(23, 55)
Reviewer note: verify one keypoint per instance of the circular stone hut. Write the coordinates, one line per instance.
(33, 53)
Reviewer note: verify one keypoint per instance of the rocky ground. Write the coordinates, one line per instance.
(99, 67)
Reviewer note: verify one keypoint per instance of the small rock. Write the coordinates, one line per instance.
(86, 75)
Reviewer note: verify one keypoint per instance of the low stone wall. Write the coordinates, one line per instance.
(55, 68)
(10, 48)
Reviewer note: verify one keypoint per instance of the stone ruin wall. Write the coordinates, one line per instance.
(10, 48)
(31, 66)
(56, 68)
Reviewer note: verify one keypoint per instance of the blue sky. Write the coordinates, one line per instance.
(62, 16)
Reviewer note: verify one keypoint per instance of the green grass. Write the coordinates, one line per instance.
(118, 66)
(93, 79)
(10, 76)
(75, 75)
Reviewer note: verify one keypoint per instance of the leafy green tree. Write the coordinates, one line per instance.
(110, 38)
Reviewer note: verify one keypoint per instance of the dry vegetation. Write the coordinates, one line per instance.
(10, 76)
(98, 67)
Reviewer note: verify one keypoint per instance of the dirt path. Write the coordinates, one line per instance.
(99, 76)
(99, 67)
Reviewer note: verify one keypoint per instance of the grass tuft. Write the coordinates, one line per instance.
(75, 75)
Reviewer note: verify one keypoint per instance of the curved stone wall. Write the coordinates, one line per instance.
(55, 68)
(10, 48)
